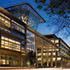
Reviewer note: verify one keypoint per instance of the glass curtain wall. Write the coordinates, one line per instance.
(10, 44)
(30, 41)
(26, 14)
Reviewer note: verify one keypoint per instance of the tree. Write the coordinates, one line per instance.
(56, 6)
(61, 8)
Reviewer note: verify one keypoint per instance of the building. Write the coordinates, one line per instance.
(12, 40)
(62, 55)
(26, 13)
(56, 55)
(17, 39)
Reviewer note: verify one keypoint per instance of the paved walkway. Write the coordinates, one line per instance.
(18, 68)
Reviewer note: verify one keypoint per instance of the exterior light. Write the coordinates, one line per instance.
(28, 63)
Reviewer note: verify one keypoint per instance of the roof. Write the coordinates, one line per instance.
(54, 36)
(51, 36)
(34, 11)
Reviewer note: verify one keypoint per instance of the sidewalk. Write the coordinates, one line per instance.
(21, 68)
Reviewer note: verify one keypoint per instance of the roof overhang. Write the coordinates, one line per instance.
(30, 8)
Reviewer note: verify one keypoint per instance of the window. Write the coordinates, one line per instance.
(4, 21)
(30, 40)
(57, 49)
(39, 54)
(18, 27)
(49, 53)
(44, 54)
(54, 59)
(39, 59)
(52, 40)
(2, 61)
(10, 44)
(58, 58)
(54, 53)
(56, 41)
(8, 59)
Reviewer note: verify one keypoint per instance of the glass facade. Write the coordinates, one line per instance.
(6, 60)
(18, 42)
(27, 14)
(18, 27)
(10, 44)
(30, 41)
(4, 21)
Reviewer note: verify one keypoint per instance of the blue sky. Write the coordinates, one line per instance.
(46, 28)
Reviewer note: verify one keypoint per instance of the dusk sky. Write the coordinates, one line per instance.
(50, 26)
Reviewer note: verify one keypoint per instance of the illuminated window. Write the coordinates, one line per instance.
(57, 44)
(54, 53)
(52, 41)
(50, 49)
(7, 61)
(56, 41)
(30, 40)
(57, 49)
(10, 44)
(58, 58)
(44, 53)
(49, 53)
(2, 61)
(5, 22)
(17, 27)
(39, 54)
(54, 59)
(39, 59)
(44, 50)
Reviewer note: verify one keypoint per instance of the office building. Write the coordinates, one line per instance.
(16, 39)
(56, 55)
